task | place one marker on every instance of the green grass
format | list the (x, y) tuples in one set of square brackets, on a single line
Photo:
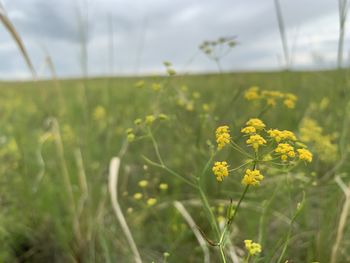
[(35, 216)]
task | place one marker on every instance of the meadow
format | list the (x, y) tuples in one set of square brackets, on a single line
[(58, 201)]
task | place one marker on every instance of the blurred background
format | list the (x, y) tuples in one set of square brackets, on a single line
[(134, 37)]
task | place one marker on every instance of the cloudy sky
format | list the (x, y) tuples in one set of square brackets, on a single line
[(135, 36)]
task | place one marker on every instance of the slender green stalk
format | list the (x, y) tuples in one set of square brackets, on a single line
[(282, 32)]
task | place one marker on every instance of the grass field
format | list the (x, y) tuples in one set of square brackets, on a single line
[(58, 138)]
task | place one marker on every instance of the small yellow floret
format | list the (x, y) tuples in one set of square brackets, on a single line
[(248, 129), (256, 123), (137, 196), (143, 183), (290, 104), (285, 150), (150, 119), (220, 170), (253, 248), (163, 187), (305, 155), (222, 136), (151, 201), (281, 135), (252, 177), (255, 141), (252, 93)]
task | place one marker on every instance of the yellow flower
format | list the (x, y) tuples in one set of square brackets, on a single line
[(99, 113), (255, 141), (252, 93), (281, 135), (131, 137), (271, 102), (205, 107), (291, 96), (163, 186), (290, 104), (248, 130), (253, 248), (222, 136), (305, 155), (286, 150), (137, 196), (151, 201), (252, 177), (138, 121), (143, 183), (256, 123), (156, 86), (220, 170), (150, 119)]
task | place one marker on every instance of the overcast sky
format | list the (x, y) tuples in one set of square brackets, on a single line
[(147, 32)]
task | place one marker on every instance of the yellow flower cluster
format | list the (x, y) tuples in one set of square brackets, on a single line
[(253, 248), (312, 132), (256, 123), (220, 170), (253, 126), (271, 96), (255, 141), (305, 155), (252, 177), (252, 93), (290, 100), (222, 136), (285, 150), (282, 135), (99, 113)]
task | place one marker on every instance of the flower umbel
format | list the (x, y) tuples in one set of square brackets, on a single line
[(255, 141), (286, 150), (305, 155), (252, 248), (256, 123), (222, 136), (220, 170), (252, 177)]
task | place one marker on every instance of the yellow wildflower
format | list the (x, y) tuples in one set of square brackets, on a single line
[(99, 113), (151, 201), (271, 102), (252, 93), (281, 135), (252, 177), (205, 107), (222, 136), (143, 183), (150, 119), (255, 141), (256, 123), (305, 155), (138, 121), (131, 137), (137, 196), (291, 96), (156, 86), (248, 130), (290, 104), (286, 150), (163, 186), (220, 170), (253, 248)]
